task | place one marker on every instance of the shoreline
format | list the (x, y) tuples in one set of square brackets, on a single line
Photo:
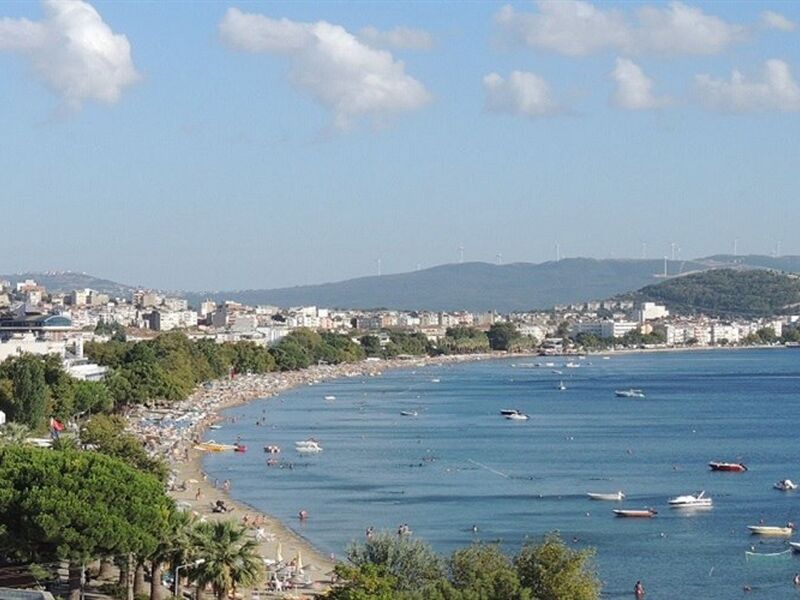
[(172, 434), (184, 424)]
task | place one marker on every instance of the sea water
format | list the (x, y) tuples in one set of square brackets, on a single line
[(459, 464)]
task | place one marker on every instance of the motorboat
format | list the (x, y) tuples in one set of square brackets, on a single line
[(785, 485), (698, 500), (215, 427), (308, 448), (613, 497), (729, 467), (645, 513), (330, 397), (308, 442), (509, 411), (517, 416), (561, 387), (771, 530), (557, 372), (409, 413), (572, 365), (631, 393), (795, 546), (436, 380)]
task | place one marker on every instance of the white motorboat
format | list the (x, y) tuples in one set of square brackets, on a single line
[(770, 530), (631, 393), (306, 443), (561, 387), (436, 380), (613, 497), (517, 416), (785, 485), (309, 448), (409, 413), (698, 500), (509, 411), (572, 365), (795, 546), (331, 397)]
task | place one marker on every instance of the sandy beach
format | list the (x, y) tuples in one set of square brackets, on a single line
[(173, 433)]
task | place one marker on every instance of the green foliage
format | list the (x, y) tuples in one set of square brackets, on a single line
[(592, 342), (502, 336), (249, 357), (106, 433), (76, 506), (552, 571), (486, 573), (371, 346), (29, 393), (727, 292), (411, 562), (387, 567), (415, 344), (464, 340), (303, 348), (231, 558), (637, 338)]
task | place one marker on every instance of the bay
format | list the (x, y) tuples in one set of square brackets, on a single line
[(459, 464)]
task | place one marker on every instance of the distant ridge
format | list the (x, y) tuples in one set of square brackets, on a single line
[(474, 286)]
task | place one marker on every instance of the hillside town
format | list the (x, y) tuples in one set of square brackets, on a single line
[(34, 320)]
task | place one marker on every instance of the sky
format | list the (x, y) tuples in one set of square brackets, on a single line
[(226, 145)]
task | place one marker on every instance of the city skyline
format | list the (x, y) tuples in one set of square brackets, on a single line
[(273, 144)]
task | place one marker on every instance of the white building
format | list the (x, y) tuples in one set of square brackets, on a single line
[(650, 311)]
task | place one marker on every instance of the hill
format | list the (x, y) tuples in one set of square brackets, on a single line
[(66, 281), (727, 292), (472, 286)]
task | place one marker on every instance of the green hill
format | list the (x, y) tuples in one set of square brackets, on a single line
[(727, 292)]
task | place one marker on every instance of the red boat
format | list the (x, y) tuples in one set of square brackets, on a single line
[(731, 467), (646, 513)]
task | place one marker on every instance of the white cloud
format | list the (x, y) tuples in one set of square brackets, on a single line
[(329, 63), (634, 88), (523, 93), (579, 28), (400, 38), (73, 51), (775, 91), (773, 20)]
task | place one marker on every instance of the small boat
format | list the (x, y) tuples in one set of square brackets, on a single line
[(517, 416), (557, 372), (561, 387), (330, 397), (572, 365), (795, 546), (785, 485), (646, 513), (631, 393), (215, 427), (409, 413), (770, 530), (308, 442), (749, 554), (509, 411), (729, 467), (436, 380), (309, 448), (212, 446), (239, 448), (698, 500), (614, 497)]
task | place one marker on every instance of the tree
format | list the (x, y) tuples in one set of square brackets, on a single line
[(106, 433), (230, 557), (485, 571), (552, 571), (366, 582), (371, 345), (173, 549), (502, 336), (28, 389), (56, 506), (410, 561)]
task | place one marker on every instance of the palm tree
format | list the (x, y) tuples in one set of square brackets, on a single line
[(230, 557), (173, 550)]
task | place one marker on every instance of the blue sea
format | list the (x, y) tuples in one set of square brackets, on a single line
[(459, 463)]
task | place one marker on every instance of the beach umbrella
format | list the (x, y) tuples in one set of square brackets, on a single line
[(279, 553)]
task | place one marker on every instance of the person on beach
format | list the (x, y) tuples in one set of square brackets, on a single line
[(226, 485), (302, 515), (796, 580), (198, 494), (638, 590)]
